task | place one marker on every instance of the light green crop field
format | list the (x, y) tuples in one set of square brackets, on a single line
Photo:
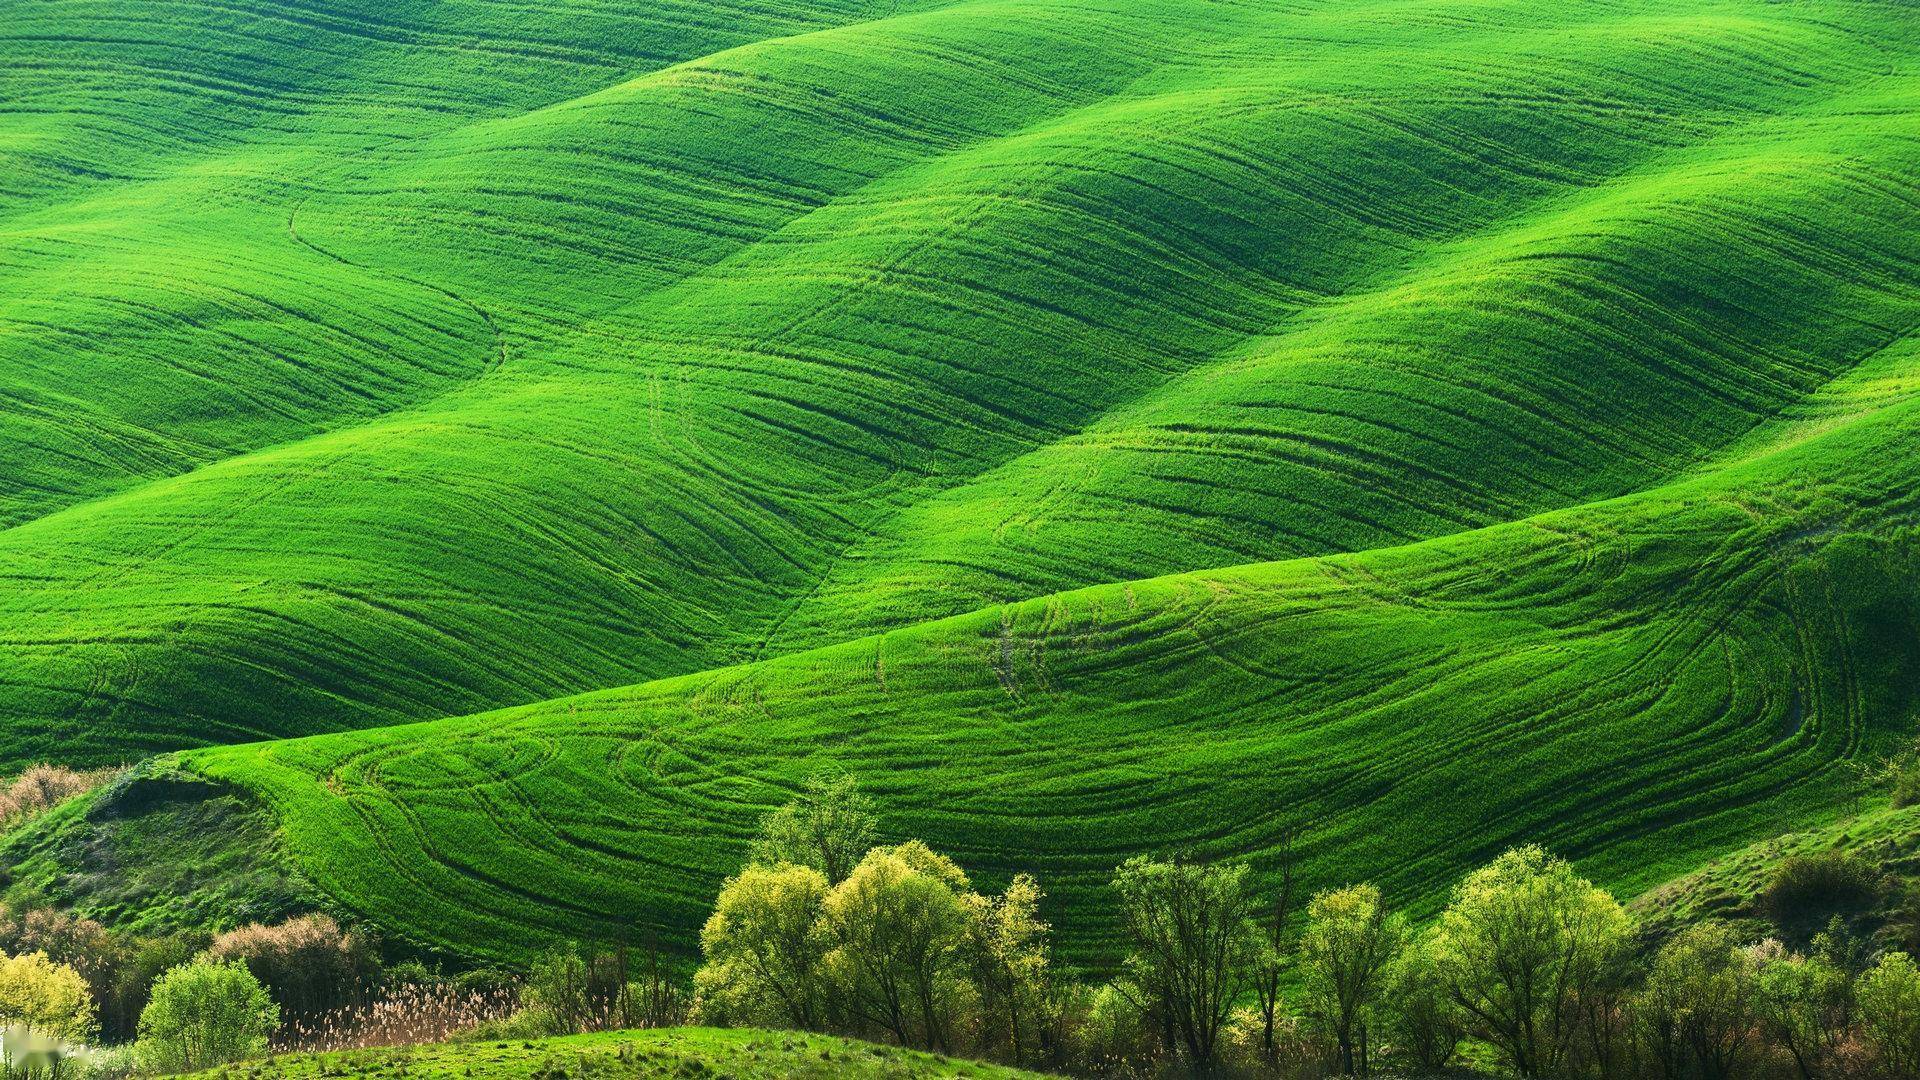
[(633, 1055), (1101, 425)]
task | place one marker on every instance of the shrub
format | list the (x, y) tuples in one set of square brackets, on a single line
[(309, 964), (1422, 1021), (1900, 774), (142, 962), (1117, 1036), (1807, 887), (1805, 1004), (584, 988), (42, 787), (1350, 942), (1906, 784), (830, 827), (203, 1014), (1012, 965), (81, 944), (1194, 942), (532, 1022), (410, 973)]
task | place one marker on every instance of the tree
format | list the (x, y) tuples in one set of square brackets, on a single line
[(1007, 945), (1269, 969), (48, 998), (1701, 1001), (765, 948), (829, 827), (1349, 942), (1193, 943), (1523, 942), (1889, 995), (583, 987), (1424, 1019), (203, 1014), (899, 926), (1804, 1005)]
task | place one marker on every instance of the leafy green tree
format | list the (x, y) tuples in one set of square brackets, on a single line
[(829, 827), (1804, 1004), (1012, 964), (583, 988), (765, 948), (1425, 1021), (1348, 945), (1889, 995), (1270, 960), (204, 1014), (1194, 944), (1701, 1003), (48, 998), (899, 926), (1523, 942)]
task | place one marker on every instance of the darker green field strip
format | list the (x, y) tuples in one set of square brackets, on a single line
[(1640, 683)]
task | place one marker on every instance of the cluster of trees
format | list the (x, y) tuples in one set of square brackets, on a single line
[(580, 988), (1529, 961), (1536, 968), (825, 931), (202, 1013), (182, 1001), (1529, 968)]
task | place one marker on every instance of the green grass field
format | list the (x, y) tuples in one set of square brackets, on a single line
[(744, 1054), (1102, 425)]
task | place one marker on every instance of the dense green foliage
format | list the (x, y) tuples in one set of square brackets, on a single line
[(45, 997), (1104, 426), (205, 1013)]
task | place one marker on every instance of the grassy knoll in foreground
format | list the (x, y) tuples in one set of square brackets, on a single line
[(744, 1054)]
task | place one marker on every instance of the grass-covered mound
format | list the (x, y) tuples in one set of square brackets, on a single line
[(744, 1054), (157, 851)]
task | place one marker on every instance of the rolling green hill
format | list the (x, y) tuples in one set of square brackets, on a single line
[(1102, 424), (1640, 684)]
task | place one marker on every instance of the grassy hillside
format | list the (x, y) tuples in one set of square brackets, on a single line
[(1101, 424), (1640, 684), (519, 362), (672, 1052)]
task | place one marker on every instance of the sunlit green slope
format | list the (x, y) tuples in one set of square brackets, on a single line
[(157, 313), (425, 359), (1639, 683)]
